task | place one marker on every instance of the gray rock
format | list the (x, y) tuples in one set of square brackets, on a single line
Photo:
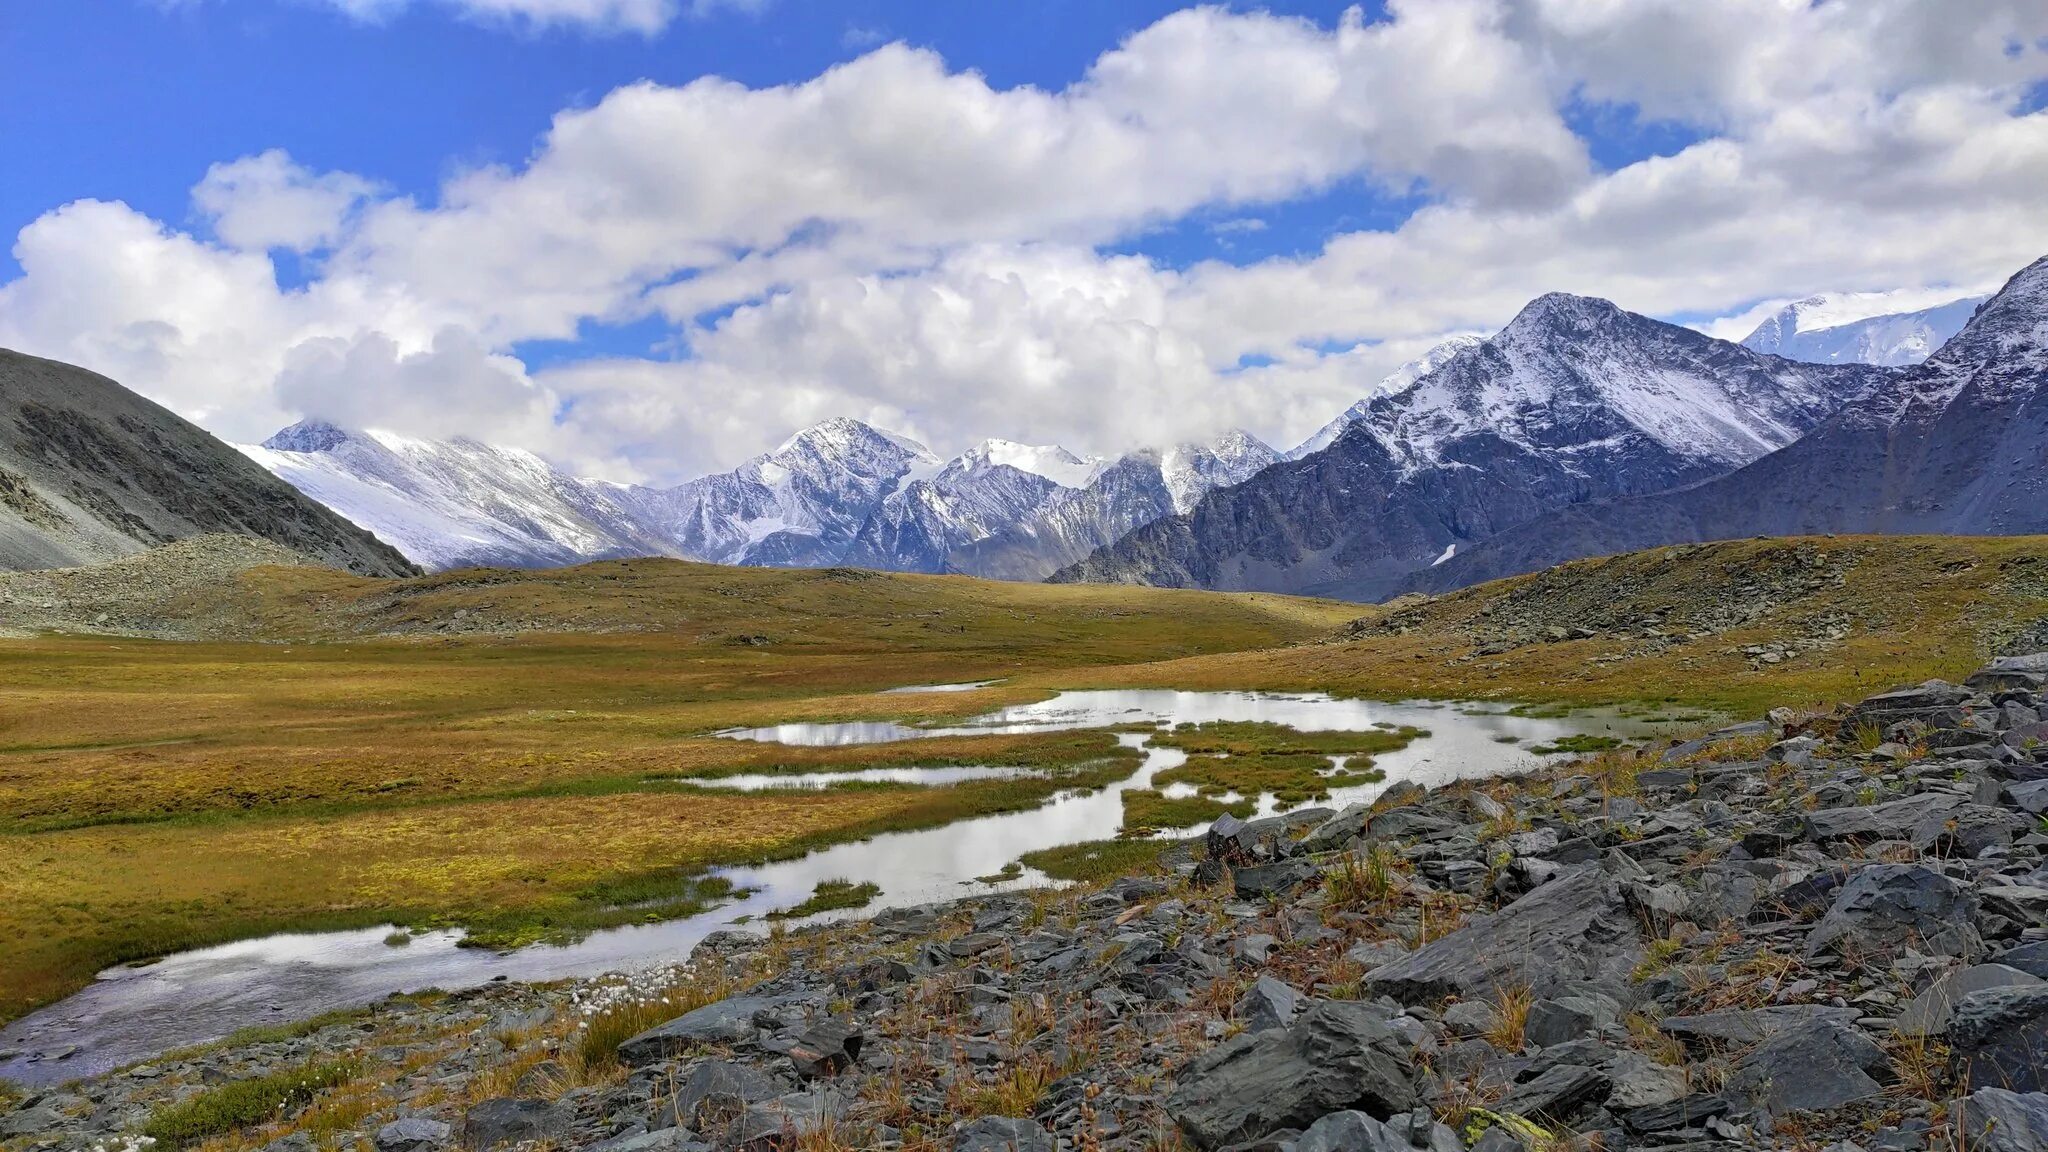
[(1339, 830), (1928, 1014), (1573, 929), (1738, 1028), (718, 1092), (412, 1134), (1999, 1038), (1885, 909), (826, 1049), (1003, 1134), (1268, 1003), (1553, 1022), (1471, 1017), (1270, 880), (2030, 796), (728, 1021), (1685, 1112), (1558, 1093), (1997, 1120), (1815, 1066), (660, 1140), (1337, 1055), (1893, 820), (2029, 958), (1966, 831), (509, 1121), (1350, 1131)]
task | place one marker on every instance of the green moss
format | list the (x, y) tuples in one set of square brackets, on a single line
[(1291, 778), (1247, 738), (233, 1106), (831, 896), (640, 898)]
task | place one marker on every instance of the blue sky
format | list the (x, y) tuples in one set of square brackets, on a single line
[(1103, 224)]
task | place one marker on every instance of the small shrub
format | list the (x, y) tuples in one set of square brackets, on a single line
[(831, 896), (1511, 1023)]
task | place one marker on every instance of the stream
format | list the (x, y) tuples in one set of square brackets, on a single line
[(134, 1013)]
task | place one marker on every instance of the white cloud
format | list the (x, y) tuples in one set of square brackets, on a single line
[(642, 16), (268, 201), (899, 240)]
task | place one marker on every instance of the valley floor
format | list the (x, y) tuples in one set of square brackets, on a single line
[(500, 750)]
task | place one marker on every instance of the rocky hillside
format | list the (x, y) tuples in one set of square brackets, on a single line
[(1958, 444), (1801, 932), (1575, 401), (90, 471)]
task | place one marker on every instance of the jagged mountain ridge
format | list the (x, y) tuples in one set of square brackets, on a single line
[(90, 471), (1395, 382), (1574, 401), (840, 492), (457, 503), (1842, 329), (1956, 445)]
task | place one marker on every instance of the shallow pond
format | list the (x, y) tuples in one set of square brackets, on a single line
[(132, 1014)]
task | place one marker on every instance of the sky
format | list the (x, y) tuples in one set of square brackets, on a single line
[(650, 238)]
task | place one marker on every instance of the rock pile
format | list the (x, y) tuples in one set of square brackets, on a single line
[(1840, 943)]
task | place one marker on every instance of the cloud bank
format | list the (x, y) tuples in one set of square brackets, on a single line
[(898, 240)]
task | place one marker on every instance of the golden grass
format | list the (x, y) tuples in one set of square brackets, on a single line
[(1917, 607)]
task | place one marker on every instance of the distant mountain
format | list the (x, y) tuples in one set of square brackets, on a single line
[(457, 503), (1958, 444), (90, 471), (1574, 401), (840, 492), (800, 506), (1396, 382), (1859, 328)]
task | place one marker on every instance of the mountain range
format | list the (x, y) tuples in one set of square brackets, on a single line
[(839, 492), (1957, 445), (1860, 328)]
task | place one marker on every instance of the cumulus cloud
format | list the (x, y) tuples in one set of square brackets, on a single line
[(899, 240)]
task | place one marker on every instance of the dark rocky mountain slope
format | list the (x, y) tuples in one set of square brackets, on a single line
[(1575, 401), (1957, 445), (90, 471)]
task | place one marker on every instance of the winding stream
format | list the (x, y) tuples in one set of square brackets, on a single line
[(132, 1014)]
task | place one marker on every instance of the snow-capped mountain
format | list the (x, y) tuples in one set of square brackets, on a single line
[(1397, 381), (1860, 328), (454, 503), (799, 506), (1958, 444), (1575, 400), (840, 492)]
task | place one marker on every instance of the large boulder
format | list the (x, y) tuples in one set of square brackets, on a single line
[(1998, 1038), (506, 1120), (1885, 909), (1814, 1066), (728, 1021), (1931, 699), (1892, 820), (1350, 1131), (1337, 1055), (1573, 930), (1996, 1120), (1929, 1013)]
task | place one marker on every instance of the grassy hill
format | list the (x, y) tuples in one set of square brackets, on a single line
[(1737, 625)]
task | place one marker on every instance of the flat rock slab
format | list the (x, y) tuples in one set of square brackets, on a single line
[(1997, 1120), (1816, 1066), (1004, 1134), (494, 1123), (1573, 929), (728, 1021), (1928, 1014), (1742, 1028)]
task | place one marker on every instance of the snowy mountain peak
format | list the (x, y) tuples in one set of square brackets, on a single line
[(1049, 461), (308, 436), (1561, 312), (1883, 328), (846, 439), (1192, 471), (1399, 380)]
